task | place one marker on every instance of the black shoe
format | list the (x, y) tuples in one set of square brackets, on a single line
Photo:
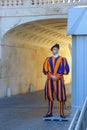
[(48, 115), (62, 116)]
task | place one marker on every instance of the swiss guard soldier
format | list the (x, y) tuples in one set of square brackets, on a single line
[(55, 67)]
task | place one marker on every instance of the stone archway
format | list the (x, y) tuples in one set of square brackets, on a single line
[(24, 49)]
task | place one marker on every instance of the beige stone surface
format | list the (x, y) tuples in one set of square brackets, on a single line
[(24, 50)]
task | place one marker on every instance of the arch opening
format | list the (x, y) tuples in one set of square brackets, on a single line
[(25, 48)]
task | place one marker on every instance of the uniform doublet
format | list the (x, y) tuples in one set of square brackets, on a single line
[(55, 88)]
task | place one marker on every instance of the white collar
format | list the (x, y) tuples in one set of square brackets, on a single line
[(56, 55)]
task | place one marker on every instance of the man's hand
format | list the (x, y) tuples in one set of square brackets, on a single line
[(54, 77)]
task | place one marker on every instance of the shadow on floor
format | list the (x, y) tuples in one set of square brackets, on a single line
[(25, 112)]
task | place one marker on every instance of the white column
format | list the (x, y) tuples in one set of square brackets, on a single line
[(77, 19), (0, 37), (35, 2), (0, 52), (40, 2), (45, 2), (79, 70)]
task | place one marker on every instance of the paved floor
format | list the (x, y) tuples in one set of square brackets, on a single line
[(25, 112)]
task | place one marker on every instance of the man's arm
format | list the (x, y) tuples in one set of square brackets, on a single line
[(64, 68), (45, 67)]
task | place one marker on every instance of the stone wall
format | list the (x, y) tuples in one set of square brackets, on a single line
[(20, 67)]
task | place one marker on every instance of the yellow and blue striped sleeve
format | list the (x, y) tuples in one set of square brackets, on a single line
[(45, 67)]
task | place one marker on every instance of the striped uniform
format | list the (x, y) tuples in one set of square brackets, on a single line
[(55, 88)]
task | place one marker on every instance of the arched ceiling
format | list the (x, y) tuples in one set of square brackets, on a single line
[(39, 33)]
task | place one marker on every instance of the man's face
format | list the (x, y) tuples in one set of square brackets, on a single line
[(55, 50)]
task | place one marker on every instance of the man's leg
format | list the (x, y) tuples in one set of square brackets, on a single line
[(61, 107), (50, 108)]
